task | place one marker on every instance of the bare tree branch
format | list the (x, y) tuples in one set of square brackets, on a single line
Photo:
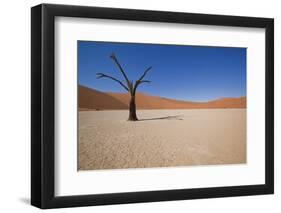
[(144, 81), (130, 85), (138, 83), (140, 80), (145, 72), (102, 75)]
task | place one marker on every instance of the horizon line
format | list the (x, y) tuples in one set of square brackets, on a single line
[(210, 100)]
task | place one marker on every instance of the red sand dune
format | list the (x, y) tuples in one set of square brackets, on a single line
[(90, 99), (93, 99)]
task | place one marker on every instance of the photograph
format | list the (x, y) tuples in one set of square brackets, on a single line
[(135, 105), (140, 105), (160, 105)]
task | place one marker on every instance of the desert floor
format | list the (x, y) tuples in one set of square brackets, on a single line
[(161, 138)]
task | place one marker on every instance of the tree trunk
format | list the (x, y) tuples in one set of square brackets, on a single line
[(132, 110)]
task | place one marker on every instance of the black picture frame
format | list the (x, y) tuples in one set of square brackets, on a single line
[(43, 114)]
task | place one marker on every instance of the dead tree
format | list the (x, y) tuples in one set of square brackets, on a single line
[(129, 86)]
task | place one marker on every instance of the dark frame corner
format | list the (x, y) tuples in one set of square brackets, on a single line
[(42, 105)]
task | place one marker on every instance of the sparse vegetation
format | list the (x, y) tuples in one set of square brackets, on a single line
[(129, 86)]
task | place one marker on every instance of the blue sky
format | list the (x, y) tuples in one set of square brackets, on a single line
[(195, 73)]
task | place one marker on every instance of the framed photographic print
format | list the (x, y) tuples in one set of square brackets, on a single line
[(139, 106)]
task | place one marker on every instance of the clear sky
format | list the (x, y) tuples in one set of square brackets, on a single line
[(195, 73)]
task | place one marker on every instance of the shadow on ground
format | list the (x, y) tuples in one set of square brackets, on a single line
[(25, 200), (171, 117)]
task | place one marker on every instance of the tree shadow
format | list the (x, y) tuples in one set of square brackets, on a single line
[(170, 117)]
